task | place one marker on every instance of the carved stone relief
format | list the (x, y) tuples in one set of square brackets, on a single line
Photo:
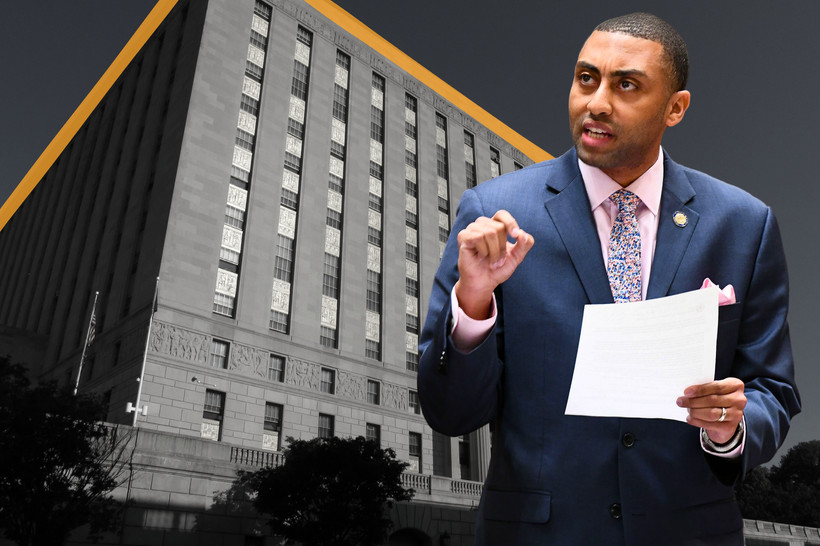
[(179, 343), (351, 385), (394, 396), (248, 360), (304, 374)]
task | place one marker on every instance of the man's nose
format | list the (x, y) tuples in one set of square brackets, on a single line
[(600, 103)]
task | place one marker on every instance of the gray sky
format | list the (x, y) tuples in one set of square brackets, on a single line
[(753, 119)]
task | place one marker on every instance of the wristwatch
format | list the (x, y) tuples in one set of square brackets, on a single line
[(725, 447)]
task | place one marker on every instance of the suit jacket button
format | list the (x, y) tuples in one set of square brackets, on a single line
[(628, 439), (615, 511)]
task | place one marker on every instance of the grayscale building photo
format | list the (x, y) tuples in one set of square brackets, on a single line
[(287, 193)]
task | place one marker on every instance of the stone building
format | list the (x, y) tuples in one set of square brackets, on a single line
[(285, 181)]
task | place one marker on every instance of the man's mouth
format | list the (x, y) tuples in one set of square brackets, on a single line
[(597, 134)]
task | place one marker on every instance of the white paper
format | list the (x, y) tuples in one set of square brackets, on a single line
[(635, 359)]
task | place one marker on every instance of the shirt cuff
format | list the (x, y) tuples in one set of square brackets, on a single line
[(732, 450), (468, 333)]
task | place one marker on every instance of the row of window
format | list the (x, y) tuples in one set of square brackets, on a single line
[(374, 220), (411, 245), (213, 413), (328, 334), (291, 178), (230, 252)]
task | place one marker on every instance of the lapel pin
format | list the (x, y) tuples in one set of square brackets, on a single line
[(680, 219)]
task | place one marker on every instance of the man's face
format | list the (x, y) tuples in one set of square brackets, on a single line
[(620, 104)]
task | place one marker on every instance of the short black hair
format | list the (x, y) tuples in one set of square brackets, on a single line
[(651, 27)]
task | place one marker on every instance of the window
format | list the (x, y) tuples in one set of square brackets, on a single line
[(411, 252), (374, 236), (374, 291), (304, 36), (469, 159), (244, 140), (249, 105), (415, 452), (327, 337), (271, 436), (296, 129), (374, 201), (413, 401), (219, 354), (276, 368), (234, 217), (373, 392), (330, 279), (289, 199), (373, 433), (464, 456), (411, 287), (328, 384), (412, 322), (339, 102), (299, 87), (495, 163), (372, 349), (337, 150), (258, 40), (325, 426), (283, 264), (411, 361), (376, 124), (336, 184), (212, 413), (279, 321), (411, 188), (263, 10)]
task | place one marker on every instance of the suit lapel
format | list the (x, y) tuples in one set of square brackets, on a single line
[(672, 240), (568, 206)]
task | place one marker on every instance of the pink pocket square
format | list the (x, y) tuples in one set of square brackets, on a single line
[(727, 293)]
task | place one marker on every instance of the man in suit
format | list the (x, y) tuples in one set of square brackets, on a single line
[(501, 335)]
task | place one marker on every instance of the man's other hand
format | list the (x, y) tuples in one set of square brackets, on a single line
[(486, 259)]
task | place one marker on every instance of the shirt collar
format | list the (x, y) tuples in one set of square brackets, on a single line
[(648, 187)]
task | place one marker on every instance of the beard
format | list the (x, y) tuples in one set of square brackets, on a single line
[(630, 149)]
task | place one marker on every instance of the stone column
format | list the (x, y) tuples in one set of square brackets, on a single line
[(480, 453)]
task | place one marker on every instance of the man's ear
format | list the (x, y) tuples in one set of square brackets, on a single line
[(676, 107)]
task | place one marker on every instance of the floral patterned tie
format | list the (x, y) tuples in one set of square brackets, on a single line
[(624, 265)]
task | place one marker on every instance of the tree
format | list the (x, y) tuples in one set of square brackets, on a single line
[(788, 492), (328, 492), (58, 461)]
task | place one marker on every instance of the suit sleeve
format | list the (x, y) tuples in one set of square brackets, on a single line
[(458, 391), (763, 358)]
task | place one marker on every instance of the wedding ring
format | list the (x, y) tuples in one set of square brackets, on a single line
[(722, 415)]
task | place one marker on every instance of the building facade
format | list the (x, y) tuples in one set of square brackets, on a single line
[(287, 192)]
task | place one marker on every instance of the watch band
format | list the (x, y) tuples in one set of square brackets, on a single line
[(726, 447)]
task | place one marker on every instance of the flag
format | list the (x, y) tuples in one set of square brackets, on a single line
[(92, 330)]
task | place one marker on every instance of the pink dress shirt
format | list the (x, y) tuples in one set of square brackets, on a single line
[(467, 333)]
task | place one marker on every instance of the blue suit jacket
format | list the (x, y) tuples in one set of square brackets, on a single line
[(559, 479)]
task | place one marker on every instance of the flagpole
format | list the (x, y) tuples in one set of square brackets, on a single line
[(137, 409), (88, 342)]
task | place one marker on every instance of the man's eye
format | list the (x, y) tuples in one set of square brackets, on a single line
[(627, 85), (584, 78)]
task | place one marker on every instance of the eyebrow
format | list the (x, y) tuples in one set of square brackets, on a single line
[(619, 73)]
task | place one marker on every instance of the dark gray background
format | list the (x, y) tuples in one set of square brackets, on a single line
[(754, 119)]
